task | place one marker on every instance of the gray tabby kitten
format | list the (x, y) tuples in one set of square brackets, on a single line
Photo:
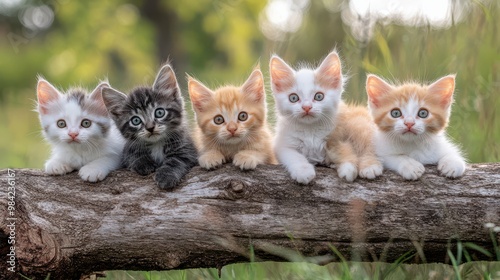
[(152, 121)]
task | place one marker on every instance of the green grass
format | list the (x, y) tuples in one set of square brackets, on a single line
[(333, 271)]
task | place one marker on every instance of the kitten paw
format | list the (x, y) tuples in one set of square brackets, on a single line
[(166, 179), (211, 160), (245, 161), (371, 172), (303, 173), (92, 174), (411, 169), (144, 169), (451, 167), (53, 167), (347, 171)]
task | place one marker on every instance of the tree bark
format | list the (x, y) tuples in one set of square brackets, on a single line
[(67, 227)]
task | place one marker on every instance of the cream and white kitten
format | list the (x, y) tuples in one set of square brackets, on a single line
[(307, 101), (80, 132), (411, 120)]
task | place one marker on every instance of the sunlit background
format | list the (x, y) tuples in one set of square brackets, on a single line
[(219, 42)]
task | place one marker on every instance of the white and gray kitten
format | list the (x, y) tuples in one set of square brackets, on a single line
[(81, 134)]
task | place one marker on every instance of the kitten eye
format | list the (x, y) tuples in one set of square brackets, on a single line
[(423, 113), (243, 116), (86, 123), (396, 113), (219, 119), (160, 113), (135, 121), (293, 97), (61, 123), (319, 96)]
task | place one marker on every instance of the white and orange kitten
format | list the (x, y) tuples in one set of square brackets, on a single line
[(307, 102), (411, 120), (232, 124), (81, 134)]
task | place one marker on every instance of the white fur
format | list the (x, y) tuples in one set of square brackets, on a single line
[(94, 156), (300, 141), (157, 152), (347, 171)]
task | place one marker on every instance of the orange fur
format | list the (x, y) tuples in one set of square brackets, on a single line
[(352, 140), (251, 143)]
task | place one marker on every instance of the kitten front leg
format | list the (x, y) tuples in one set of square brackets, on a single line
[(98, 169), (211, 159), (296, 164), (174, 169), (370, 166), (345, 159), (249, 159), (57, 166), (452, 166), (139, 160), (405, 166)]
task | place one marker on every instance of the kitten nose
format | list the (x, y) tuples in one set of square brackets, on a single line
[(306, 108), (232, 127), (73, 135), (409, 124), (150, 129)]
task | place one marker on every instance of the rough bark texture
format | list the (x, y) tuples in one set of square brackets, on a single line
[(67, 227)]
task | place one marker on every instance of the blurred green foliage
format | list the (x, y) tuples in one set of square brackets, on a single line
[(331, 271), (220, 42)]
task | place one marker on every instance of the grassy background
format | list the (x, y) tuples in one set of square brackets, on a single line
[(340, 271), (470, 48)]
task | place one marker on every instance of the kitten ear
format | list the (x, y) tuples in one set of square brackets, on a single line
[(166, 80), (199, 94), (254, 86), (444, 87), (329, 73), (45, 93), (375, 88), (96, 95), (282, 75), (113, 100), (97, 92)]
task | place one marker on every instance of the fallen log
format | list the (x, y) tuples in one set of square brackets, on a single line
[(68, 228)]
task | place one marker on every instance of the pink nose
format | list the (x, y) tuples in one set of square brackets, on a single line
[(232, 130), (409, 124), (73, 135), (306, 108)]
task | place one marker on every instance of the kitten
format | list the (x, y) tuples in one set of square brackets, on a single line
[(351, 145), (232, 124), (80, 132), (307, 102), (411, 120), (152, 119)]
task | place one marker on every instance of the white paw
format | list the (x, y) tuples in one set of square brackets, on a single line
[(92, 174), (245, 162), (347, 171), (371, 172), (303, 173), (209, 161), (53, 167), (411, 169), (451, 167)]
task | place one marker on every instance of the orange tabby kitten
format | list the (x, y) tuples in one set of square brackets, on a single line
[(232, 124), (351, 145)]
